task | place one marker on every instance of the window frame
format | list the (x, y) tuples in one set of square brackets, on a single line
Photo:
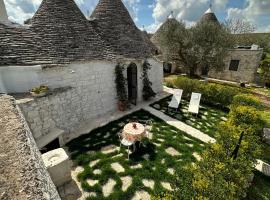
[(233, 66)]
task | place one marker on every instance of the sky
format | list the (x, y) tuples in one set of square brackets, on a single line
[(152, 13)]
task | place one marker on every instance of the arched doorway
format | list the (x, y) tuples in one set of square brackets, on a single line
[(132, 83)]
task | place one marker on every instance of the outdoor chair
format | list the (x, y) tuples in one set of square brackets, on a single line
[(125, 143), (194, 104), (176, 99)]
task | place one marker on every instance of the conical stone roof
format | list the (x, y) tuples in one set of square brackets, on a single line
[(209, 16), (3, 12), (157, 36), (66, 32), (59, 33), (116, 26)]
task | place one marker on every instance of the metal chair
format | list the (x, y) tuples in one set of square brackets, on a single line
[(125, 143)]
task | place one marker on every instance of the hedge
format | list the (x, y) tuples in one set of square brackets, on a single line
[(213, 94), (246, 100)]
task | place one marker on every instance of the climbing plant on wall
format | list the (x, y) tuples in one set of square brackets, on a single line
[(147, 84), (120, 83)]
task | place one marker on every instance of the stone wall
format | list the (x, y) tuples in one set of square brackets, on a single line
[(88, 92), (23, 173), (247, 70)]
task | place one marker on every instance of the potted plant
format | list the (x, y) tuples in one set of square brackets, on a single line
[(40, 91), (121, 90)]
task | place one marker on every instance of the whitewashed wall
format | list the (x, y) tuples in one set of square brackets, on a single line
[(18, 79), (92, 95)]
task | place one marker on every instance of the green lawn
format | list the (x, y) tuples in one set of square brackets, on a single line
[(207, 120), (260, 188), (150, 163)]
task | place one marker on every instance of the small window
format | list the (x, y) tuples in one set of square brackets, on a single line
[(234, 65), (167, 67)]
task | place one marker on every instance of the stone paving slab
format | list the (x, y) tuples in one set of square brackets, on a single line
[(181, 126)]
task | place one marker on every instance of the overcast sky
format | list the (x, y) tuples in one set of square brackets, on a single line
[(151, 13)]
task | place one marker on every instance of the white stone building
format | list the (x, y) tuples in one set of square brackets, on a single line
[(76, 58)]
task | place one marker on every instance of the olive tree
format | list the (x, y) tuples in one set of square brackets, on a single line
[(203, 46)]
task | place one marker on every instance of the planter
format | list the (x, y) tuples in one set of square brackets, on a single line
[(121, 106), (42, 94)]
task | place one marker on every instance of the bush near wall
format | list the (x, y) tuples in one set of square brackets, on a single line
[(213, 94), (246, 100), (224, 171)]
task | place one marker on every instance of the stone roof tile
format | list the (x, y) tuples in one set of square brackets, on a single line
[(116, 26), (59, 33)]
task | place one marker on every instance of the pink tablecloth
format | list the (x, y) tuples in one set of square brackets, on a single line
[(134, 133)]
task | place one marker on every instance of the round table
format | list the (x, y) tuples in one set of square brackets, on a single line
[(134, 132)]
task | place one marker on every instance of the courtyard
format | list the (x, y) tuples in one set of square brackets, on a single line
[(104, 172)]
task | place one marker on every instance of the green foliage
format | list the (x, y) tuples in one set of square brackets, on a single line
[(204, 45), (120, 83), (246, 100), (246, 117), (217, 176), (147, 84), (226, 166), (212, 93), (40, 89), (264, 69), (163, 196), (218, 94)]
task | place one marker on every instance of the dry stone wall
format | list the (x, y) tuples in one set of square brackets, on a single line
[(23, 173)]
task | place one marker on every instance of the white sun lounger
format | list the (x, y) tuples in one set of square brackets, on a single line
[(194, 104), (177, 96)]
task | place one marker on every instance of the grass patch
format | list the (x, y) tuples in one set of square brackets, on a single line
[(88, 148), (207, 121)]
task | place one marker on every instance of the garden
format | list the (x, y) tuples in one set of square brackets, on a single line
[(150, 170), (170, 164)]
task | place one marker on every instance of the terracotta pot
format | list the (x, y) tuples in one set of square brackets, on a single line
[(121, 106)]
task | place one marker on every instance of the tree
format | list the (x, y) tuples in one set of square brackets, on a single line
[(239, 26), (203, 46)]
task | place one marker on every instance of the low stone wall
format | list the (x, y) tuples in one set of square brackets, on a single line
[(22, 172)]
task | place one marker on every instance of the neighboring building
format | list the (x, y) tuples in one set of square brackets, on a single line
[(60, 48), (241, 64)]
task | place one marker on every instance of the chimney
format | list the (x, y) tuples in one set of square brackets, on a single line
[(3, 12)]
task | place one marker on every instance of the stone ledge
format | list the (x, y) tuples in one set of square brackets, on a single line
[(44, 140)]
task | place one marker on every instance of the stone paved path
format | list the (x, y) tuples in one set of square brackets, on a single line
[(261, 166), (181, 126)]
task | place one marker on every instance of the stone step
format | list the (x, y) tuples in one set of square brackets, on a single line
[(46, 139)]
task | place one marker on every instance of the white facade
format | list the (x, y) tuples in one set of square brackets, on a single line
[(91, 94)]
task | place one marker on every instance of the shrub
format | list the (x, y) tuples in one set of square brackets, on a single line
[(187, 85), (246, 100), (213, 94), (218, 94), (246, 117), (40, 89)]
